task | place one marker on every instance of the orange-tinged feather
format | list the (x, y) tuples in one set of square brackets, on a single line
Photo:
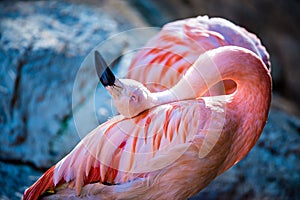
[(44, 183)]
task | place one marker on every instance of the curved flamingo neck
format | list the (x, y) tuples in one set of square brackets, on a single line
[(229, 62), (247, 112)]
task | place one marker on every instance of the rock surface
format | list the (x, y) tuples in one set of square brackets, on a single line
[(42, 47)]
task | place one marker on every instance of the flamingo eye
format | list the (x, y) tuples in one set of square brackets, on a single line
[(133, 98)]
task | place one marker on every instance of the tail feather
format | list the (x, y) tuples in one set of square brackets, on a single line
[(44, 183)]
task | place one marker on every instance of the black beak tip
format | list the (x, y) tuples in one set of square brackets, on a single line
[(106, 76)]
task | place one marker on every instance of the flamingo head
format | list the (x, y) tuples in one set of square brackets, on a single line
[(130, 97)]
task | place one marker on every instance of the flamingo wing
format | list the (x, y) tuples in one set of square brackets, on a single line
[(168, 55), (123, 150)]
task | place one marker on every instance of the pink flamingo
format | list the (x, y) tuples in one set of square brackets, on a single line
[(180, 146)]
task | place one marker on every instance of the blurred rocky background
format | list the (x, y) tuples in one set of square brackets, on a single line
[(42, 46)]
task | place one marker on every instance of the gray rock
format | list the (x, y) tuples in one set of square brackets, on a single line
[(42, 47), (15, 178)]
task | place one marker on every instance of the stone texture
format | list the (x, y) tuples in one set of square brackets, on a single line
[(15, 178), (42, 47)]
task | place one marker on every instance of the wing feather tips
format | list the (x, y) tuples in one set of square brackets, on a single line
[(44, 183)]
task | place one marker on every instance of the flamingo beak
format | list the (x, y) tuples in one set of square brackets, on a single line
[(106, 76), (116, 89)]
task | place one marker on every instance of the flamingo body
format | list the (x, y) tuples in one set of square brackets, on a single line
[(169, 54), (180, 146)]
